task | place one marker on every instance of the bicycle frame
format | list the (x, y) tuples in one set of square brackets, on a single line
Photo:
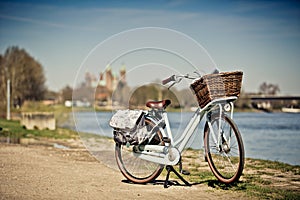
[(171, 154)]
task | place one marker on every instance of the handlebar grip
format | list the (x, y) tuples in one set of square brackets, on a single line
[(171, 78)]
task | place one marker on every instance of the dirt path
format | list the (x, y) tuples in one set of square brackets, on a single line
[(40, 172)]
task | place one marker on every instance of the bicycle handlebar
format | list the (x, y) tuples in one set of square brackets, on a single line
[(176, 79), (171, 78)]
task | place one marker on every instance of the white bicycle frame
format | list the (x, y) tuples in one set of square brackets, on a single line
[(171, 154)]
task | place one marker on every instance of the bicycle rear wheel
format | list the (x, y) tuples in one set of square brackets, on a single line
[(225, 151), (135, 169)]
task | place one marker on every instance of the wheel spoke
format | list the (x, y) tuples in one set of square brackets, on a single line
[(228, 158)]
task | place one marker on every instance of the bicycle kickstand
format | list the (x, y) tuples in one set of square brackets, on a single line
[(170, 169)]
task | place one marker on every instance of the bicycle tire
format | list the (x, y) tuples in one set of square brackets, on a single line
[(135, 169), (226, 161)]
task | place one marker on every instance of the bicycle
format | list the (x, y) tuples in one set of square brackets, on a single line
[(223, 145)]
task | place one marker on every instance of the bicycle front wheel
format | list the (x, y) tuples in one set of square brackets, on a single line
[(134, 168), (224, 148)]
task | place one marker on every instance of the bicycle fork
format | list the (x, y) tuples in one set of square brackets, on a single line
[(221, 142)]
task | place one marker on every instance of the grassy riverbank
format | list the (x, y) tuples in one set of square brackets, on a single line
[(262, 179), (13, 129)]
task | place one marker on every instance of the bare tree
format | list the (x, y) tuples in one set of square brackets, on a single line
[(25, 73), (269, 89), (66, 93)]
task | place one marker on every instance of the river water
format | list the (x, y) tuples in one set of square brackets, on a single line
[(271, 136)]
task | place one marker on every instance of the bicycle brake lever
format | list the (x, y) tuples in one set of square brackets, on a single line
[(197, 73)]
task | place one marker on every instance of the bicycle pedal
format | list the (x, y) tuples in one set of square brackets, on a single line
[(185, 172)]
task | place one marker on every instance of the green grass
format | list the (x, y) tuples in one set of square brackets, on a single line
[(62, 115), (259, 164), (257, 180), (32, 106), (13, 129)]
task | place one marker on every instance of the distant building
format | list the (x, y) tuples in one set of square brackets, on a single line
[(102, 93), (123, 74), (108, 82), (109, 79), (90, 80)]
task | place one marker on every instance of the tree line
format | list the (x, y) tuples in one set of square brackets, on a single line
[(26, 75)]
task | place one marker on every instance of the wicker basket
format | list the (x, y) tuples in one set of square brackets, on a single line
[(214, 86)]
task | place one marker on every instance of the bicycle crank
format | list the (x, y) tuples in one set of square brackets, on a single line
[(171, 156)]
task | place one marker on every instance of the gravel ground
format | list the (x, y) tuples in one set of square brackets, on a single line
[(45, 172)]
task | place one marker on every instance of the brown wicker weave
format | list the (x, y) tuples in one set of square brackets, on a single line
[(214, 86)]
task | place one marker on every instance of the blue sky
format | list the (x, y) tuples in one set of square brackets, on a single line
[(262, 38)]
